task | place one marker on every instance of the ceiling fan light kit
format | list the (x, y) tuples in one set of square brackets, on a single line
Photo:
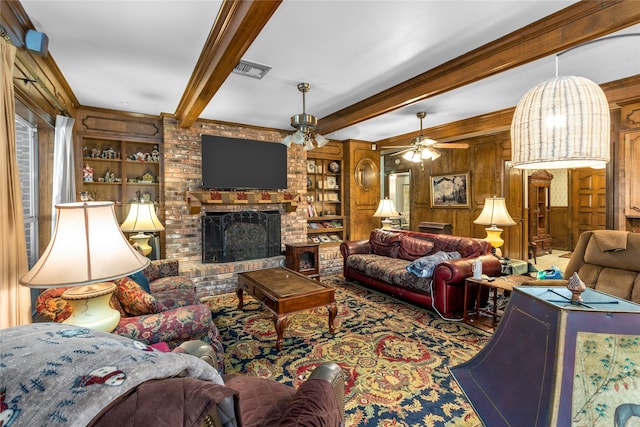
[(306, 125), (423, 148)]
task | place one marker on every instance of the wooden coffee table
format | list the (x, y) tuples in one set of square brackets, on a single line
[(282, 292)]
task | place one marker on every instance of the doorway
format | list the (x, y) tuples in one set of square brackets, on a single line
[(400, 193), (587, 201)]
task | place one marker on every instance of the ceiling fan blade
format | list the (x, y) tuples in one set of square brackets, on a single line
[(446, 145), (402, 151), (393, 147)]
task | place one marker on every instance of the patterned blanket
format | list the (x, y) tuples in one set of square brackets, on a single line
[(63, 375)]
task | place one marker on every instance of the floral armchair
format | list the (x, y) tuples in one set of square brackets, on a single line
[(168, 312)]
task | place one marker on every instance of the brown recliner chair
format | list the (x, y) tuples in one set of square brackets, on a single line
[(259, 402), (607, 261), (264, 402)]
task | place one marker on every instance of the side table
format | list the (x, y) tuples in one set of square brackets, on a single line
[(505, 283), (303, 258)]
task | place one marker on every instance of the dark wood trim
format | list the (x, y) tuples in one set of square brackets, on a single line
[(237, 25), (54, 93), (578, 23)]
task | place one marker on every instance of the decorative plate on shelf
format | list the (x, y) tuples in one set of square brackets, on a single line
[(334, 167)]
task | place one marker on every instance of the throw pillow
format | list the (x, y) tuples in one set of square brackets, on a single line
[(385, 243), (141, 280), (423, 267), (134, 299)]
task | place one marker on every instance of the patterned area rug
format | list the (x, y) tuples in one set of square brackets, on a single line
[(394, 355)]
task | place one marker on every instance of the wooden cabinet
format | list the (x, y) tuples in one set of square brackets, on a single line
[(325, 197), (303, 258), (121, 171), (539, 210)]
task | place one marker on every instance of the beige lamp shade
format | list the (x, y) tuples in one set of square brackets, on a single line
[(561, 123), (87, 247), (142, 217), (385, 210), (494, 213)]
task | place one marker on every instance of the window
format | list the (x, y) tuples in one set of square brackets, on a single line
[(27, 154)]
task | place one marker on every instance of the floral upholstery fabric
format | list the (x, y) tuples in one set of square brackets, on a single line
[(170, 283), (134, 299), (166, 300), (179, 314), (160, 268), (390, 270), (52, 307)]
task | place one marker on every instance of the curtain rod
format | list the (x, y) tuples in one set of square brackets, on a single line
[(35, 79)]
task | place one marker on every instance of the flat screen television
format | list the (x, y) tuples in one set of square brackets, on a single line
[(243, 164)]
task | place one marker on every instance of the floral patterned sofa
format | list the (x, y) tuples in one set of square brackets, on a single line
[(170, 313)]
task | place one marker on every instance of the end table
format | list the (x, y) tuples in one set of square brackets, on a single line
[(505, 283), (303, 258)]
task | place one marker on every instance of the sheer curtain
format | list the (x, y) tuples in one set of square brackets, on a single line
[(64, 183), (15, 300)]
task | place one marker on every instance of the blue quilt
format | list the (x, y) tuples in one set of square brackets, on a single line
[(423, 267), (64, 375)]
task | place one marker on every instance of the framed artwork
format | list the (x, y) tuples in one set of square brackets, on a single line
[(450, 191)]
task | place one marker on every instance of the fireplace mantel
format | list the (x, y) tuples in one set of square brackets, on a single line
[(213, 197)]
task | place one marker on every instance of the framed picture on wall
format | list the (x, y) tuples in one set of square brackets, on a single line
[(450, 191)]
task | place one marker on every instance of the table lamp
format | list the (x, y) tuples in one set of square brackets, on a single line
[(142, 217), (87, 251), (385, 210), (494, 213)]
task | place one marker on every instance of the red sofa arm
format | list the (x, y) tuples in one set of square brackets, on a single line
[(351, 247), (457, 270), (448, 281)]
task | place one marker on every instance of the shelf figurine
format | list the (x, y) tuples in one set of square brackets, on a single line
[(87, 174)]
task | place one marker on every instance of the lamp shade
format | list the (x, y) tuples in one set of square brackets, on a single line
[(561, 123), (142, 217), (87, 247), (494, 212), (386, 209)]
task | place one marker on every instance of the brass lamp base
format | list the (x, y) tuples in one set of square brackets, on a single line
[(493, 237), (387, 224), (90, 306), (142, 240)]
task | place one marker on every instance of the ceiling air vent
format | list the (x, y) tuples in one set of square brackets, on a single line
[(251, 69)]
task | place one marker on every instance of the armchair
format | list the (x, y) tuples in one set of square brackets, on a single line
[(605, 260), (170, 313)]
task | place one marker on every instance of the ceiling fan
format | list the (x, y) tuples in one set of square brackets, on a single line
[(423, 148)]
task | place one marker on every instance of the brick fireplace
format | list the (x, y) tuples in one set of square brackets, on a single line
[(183, 235)]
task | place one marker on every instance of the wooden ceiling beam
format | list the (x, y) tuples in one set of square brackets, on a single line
[(618, 92), (237, 25), (576, 24)]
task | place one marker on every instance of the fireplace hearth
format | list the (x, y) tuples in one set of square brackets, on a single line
[(240, 236)]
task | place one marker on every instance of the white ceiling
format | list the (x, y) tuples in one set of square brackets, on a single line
[(139, 55)]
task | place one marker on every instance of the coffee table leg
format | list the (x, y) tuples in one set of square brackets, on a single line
[(333, 311), (240, 299), (281, 323)]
